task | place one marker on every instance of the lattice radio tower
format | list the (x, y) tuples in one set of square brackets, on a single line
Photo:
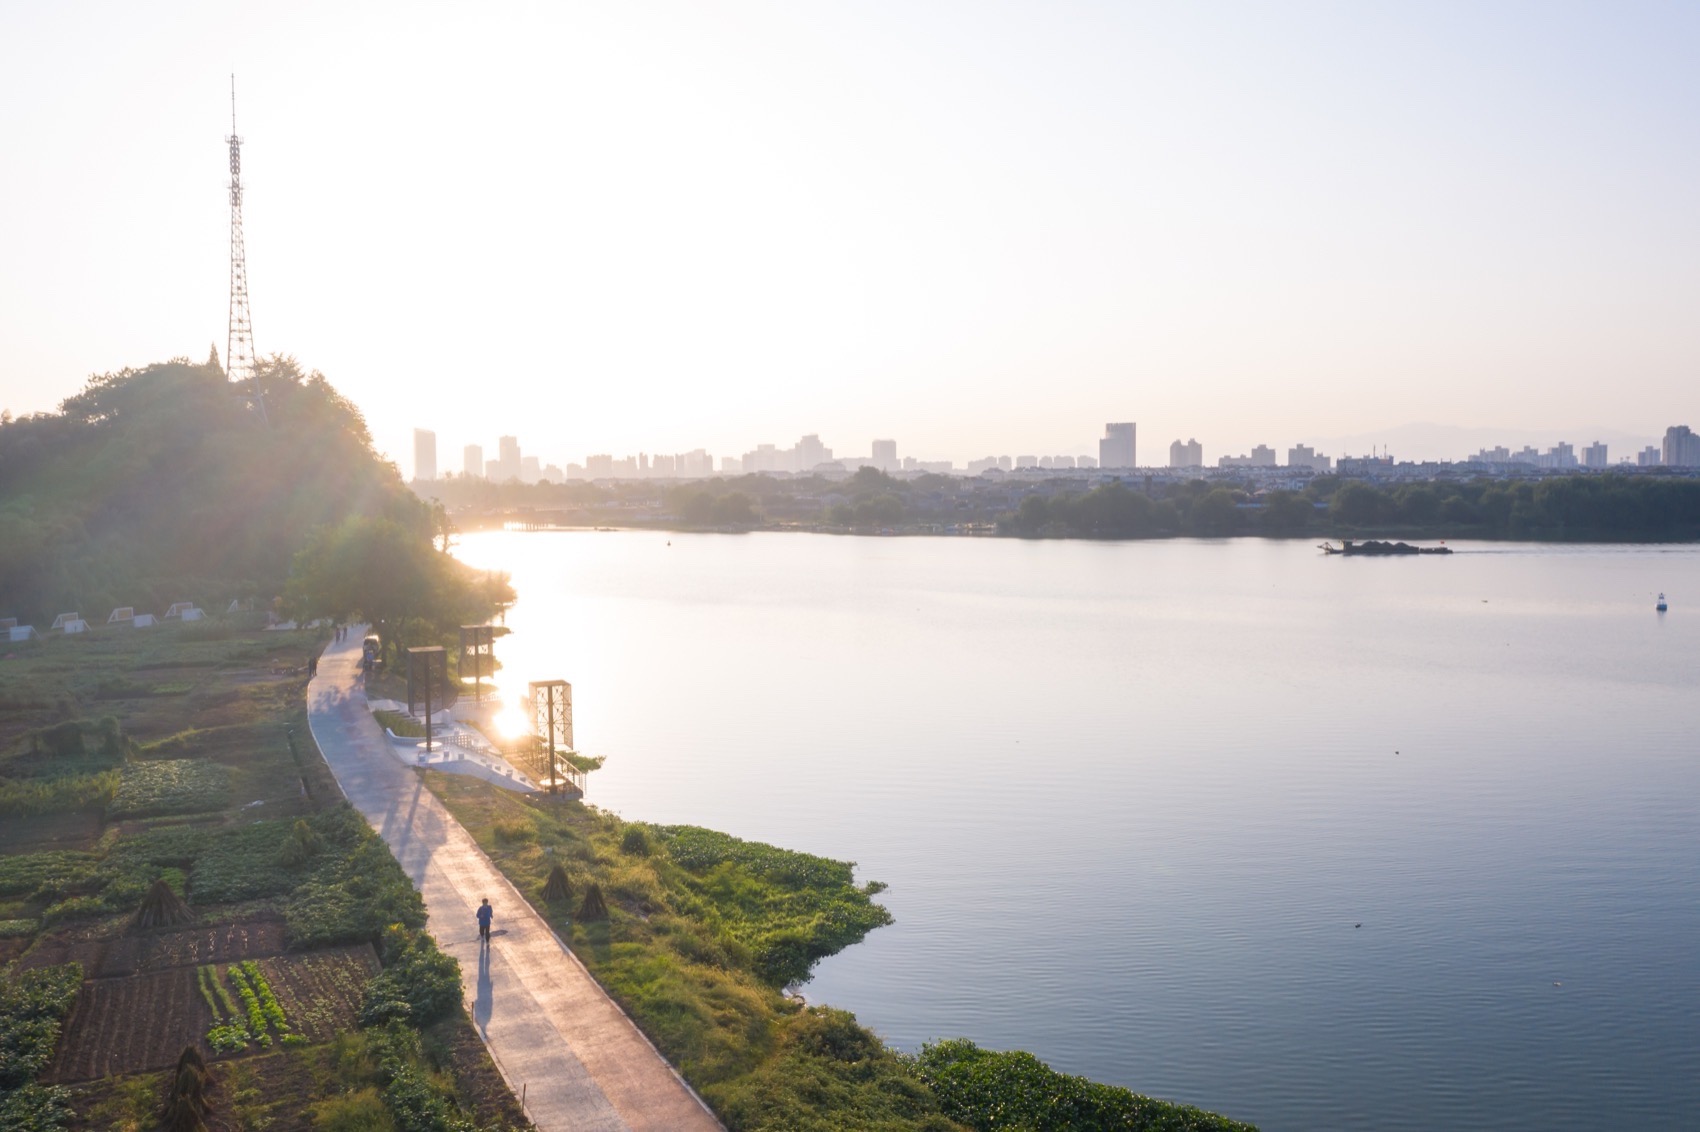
[(239, 347)]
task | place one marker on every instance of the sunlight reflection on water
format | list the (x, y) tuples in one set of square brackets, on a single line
[(1133, 798)]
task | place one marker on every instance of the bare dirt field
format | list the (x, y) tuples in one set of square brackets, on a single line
[(131, 1024), (35, 832)]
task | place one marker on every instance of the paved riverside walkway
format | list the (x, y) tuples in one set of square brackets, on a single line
[(551, 1029)]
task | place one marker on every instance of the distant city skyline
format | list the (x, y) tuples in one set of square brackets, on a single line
[(1258, 224), (1679, 446)]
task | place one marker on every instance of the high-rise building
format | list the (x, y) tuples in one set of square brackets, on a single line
[(1188, 455), (1304, 456), (1262, 456), (809, 452), (1117, 449), (1648, 457), (424, 454), (1682, 447), (885, 455), (472, 461), (1594, 455)]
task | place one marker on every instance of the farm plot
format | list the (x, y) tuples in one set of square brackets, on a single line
[(320, 990), (74, 945), (191, 947), (129, 1025), (170, 786)]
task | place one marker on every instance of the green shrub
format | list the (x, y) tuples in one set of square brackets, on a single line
[(514, 832), (418, 985), (413, 1102), (301, 846), (35, 1108), (400, 724), (362, 1110), (634, 842), (12, 929), (354, 892), (31, 1008)]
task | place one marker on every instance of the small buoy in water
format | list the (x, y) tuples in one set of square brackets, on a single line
[(1556, 983), (1661, 606), (1357, 925)]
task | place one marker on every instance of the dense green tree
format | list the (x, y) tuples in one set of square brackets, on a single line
[(161, 484), (1358, 504), (1217, 513), (382, 572), (1286, 513)]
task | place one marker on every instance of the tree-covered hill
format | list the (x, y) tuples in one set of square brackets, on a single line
[(164, 484)]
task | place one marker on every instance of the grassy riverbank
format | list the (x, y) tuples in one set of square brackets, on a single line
[(702, 934)]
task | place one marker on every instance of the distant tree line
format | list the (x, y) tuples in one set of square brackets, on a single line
[(1562, 507)]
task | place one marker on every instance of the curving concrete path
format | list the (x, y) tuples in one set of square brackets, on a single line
[(554, 1033)]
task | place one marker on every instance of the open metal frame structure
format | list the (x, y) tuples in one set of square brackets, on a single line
[(477, 657), (239, 365), (552, 731), (427, 673)]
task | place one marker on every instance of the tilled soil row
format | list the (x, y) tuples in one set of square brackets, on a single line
[(131, 1024), (138, 1023)]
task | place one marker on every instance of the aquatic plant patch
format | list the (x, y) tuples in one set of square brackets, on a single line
[(989, 1090)]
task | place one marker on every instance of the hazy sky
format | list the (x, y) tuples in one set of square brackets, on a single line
[(975, 227)]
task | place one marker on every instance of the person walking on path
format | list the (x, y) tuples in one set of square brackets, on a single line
[(485, 912)]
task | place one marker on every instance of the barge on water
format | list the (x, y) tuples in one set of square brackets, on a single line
[(1374, 547)]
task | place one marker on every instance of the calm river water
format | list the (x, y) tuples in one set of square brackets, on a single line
[(1134, 800)]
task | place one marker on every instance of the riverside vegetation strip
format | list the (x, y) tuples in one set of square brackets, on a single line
[(702, 935)]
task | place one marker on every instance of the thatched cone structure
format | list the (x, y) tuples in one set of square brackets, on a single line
[(161, 908), (186, 1105), (557, 889), (593, 908)]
